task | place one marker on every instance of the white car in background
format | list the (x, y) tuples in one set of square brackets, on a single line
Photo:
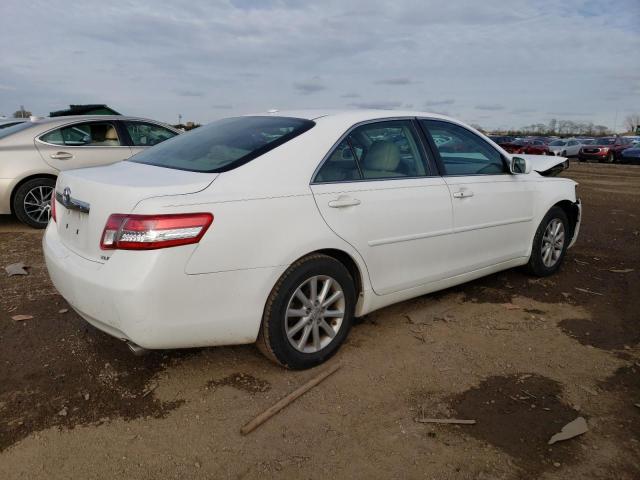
[(10, 122), (280, 228), (33, 152), (568, 147)]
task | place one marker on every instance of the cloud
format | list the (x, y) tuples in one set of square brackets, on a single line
[(523, 111), (222, 106), (377, 105), (307, 88), (438, 103), (489, 106), (254, 54), (190, 93), (396, 81)]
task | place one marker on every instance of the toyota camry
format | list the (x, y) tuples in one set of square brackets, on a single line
[(280, 228)]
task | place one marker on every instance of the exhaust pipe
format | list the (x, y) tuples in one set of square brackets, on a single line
[(137, 350)]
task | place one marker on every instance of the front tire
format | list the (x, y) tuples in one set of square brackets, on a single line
[(308, 313), (549, 243), (32, 202)]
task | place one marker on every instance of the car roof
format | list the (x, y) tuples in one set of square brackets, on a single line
[(74, 118), (355, 115), (13, 120)]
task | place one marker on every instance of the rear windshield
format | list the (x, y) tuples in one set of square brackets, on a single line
[(224, 144), (5, 132)]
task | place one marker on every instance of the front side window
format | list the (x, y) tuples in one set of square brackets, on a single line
[(224, 144), (380, 150), (96, 134), (463, 152), (147, 134)]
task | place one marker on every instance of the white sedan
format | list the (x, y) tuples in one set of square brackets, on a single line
[(34, 151), (281, 228), (569, 147)]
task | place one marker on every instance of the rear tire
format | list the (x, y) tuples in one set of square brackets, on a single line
[(549, 243), (32, 202), (299, 328)]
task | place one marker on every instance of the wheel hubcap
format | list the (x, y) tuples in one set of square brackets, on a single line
[(552, 243), (37, 203), (315, 313)]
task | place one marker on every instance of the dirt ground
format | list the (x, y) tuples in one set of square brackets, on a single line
[(519, 355)]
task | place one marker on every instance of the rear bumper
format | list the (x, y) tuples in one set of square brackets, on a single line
[(148, 299)]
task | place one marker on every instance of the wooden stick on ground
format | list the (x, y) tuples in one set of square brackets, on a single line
[(446, 420), (271, 411)]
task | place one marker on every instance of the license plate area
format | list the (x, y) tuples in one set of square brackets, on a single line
[(73, 227)]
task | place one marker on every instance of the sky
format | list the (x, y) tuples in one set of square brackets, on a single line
[(494, 63)]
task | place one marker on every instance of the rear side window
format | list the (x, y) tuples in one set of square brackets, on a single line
[(224, 144), (145, 134), (96, 134)]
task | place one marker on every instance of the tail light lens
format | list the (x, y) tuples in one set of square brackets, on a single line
[(149, 232)]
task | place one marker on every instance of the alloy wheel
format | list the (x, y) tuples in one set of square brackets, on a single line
[(553, 243), (37, 203), (314, 314)]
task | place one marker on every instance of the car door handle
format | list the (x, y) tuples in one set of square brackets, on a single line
[(463, 194), (342, 202), (61, 156)]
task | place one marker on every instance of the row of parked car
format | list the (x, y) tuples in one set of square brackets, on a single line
[(618, 149)]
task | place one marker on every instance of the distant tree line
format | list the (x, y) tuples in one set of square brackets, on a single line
[(562, 128)]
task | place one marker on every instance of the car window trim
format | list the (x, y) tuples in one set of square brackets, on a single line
[(73, 124), (429, 172), (438, 157)]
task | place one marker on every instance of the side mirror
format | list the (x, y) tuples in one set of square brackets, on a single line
[(519, 165)]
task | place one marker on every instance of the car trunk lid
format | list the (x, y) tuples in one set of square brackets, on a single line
[(86, 197)]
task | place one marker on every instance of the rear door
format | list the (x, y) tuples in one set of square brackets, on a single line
[(143, 135), (492, 209), (378, 192), (83, 144)]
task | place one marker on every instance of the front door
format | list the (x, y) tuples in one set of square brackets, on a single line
[(492, 208), (377, 192)]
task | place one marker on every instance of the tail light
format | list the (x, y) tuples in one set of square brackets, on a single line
[(149, 232), (53, 206)]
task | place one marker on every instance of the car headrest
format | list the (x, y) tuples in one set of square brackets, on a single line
[(383, 155), (111, 134)]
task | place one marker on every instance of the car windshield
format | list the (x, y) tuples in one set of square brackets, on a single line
[(604, 141), (557, 143), (224, 144), (5, 132)]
